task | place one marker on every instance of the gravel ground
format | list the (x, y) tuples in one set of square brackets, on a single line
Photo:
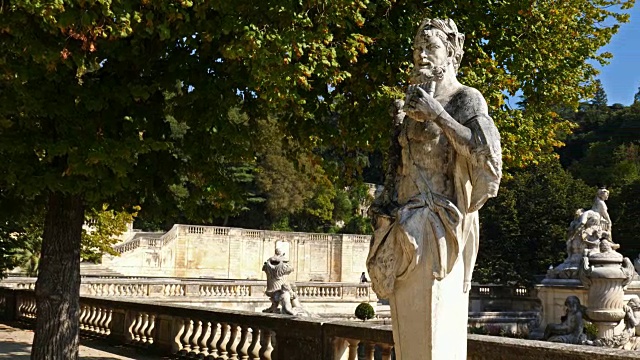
[(15, 343)]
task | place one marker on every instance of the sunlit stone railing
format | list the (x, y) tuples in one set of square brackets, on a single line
[(198, 333), (245, 289), (189, 332)]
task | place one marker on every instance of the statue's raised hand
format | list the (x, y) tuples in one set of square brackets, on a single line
[(421, 106)]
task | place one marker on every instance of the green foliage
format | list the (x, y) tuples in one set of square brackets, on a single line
[(600, 96), (591, 330), (364, 311), (524, 227), (478, 330), (105, 225), (358, 225)]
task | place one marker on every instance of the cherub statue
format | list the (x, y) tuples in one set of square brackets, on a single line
[(276, 268), (628, 339), (570, 331)]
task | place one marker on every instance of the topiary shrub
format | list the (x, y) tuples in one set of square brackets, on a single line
[(365, 311)]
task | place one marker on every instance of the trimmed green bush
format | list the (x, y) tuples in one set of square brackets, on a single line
[(365, 311)]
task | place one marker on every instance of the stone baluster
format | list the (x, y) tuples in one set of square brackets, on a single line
[(221, 346), (104, 312), (243, 344), (386, 350), (353, 348), (130, 317), (144, 320), (149, 332), (340, 347), (202, 341), (136, 330), (83, 316), (213, 341), (33, 308), (369, 351), (265, 344), (107, 322), (254, 348), (193, 341), (95, 321), (232, 353), (90, 320), (176, 344), (188, 330)]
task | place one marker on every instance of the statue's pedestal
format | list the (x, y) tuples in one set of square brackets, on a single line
[(430, 317), (553, 293)]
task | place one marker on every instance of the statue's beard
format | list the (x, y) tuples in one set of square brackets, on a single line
[(427, 73)]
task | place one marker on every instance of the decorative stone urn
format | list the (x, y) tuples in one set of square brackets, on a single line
[(605, 274)]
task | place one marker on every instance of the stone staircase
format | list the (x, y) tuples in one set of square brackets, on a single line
[(98, 270)]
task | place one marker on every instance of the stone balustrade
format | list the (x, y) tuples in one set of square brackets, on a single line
[(148, 287), (190, 332)]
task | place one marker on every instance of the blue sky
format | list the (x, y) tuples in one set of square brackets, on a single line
[(621, 78)]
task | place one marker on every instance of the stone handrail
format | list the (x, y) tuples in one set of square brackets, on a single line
[(169, 236), (200, 333), (254, 289), (191, 332), (127, 246)]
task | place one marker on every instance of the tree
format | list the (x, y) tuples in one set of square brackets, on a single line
[(104, 227), (524, 227), (600, 96)]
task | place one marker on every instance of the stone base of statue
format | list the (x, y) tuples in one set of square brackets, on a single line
[(429, 317)]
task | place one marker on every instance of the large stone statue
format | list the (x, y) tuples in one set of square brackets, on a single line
[(276, 269), (570, 331), (445, 162), (586, 232)]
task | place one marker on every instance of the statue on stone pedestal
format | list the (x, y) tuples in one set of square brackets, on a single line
[(585, 234), (445, 163), (570, 331), (276, 269)]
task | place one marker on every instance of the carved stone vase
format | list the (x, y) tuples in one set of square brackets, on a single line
[(605, 275)]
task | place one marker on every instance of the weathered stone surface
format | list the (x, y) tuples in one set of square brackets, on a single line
[(427, 230), (234, 253), (501, 348)]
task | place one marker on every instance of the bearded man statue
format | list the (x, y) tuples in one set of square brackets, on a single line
[(445, 163)]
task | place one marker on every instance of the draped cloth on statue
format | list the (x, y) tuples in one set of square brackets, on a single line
[(400, 244), (415, 258)]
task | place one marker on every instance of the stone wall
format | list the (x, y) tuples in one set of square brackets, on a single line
[(235, 253)]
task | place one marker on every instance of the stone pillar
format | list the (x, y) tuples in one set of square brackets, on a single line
[(605, 274)]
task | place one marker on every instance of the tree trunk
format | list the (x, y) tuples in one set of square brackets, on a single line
[(58, 284)]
